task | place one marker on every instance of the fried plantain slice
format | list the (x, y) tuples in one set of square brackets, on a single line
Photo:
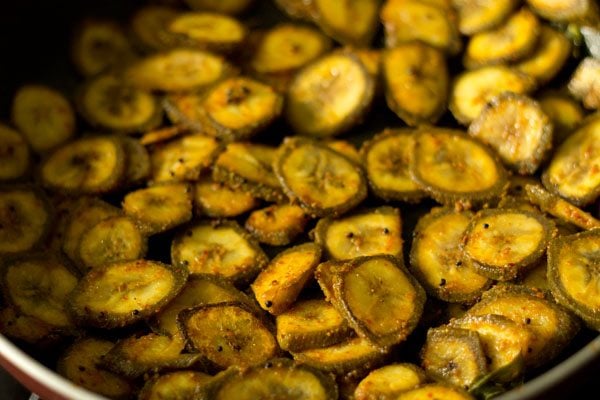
[(27, 329), (568, 10), (208, 30), (217, 200), (472, 90), (574, 170), (408, 20), (15, 156), (454, 168), (279, 284), (564, 112), (329, 96), (387, 382), (89, 165), (249, 167), (346, 148), (138, 165), (436, 259), (184, 158), (323, 181), (416, 82), (353, 23), (476, 16), (174, 385), (122, 293), (517, 128), (511, 41), (108, 102), (80, 364), (277, 224), (178, 70), (228, 334), (584, 84), (364, 233), (219, 248), (162, 134), (149, 26), (310, 324), (44, 116), (25, 218), (435, 390), (220, 6)]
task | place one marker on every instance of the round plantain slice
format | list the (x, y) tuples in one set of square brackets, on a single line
[(311, 324), (573, 275), (89, 165), (517, 128), (416, 82), (281, 281), (109, 103), (219, 6), (44, 116), (564, 112), (553, 326), (584, 83), (278, 377), (323, 181), (472, 90), (15, 156), (249, 167), (25, 218), (217, 200), (329, 96), (174, 385), (228, 334), (387, 382), (80, 364), (566, 10), (364, 233), (352, 23), (435, 391), (208, 30), (219, 248), (476, 16), (277, 224), (138, 162), (574, 170), (184, 158), (120, 294), (436, 259), (430, 23), (149, 26), (454, 168), (511, 41), (27, 329), (178, 70)]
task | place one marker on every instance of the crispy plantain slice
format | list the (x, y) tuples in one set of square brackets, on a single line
[(517, 128), (119, 294), (310, 324), (279, 284), (249, 167), (428, 22), (564, 112), (15, 156), (159, 208), (387, 382), (174, 385), (513, 40), (219, 248), (138, 162), (27, 329), (364, 233), (216, 200), (323, 181), (416, 82), (436, 259), (25, 218), (567, 10), (574, 170), (476, 16), (277, 224), (208, 30), (89, 165), (298, 9), (346, 148), (353, 23), (454, 168), (184, 158), (228, 334), (435, 391), (584, 84), (553, 326), (149, 26), (472, 90), (454, 355), (162, 134), (503, 243), (108, 102), (329, 96), (220, 6), (80, 364), (44, 116), (178, 70)]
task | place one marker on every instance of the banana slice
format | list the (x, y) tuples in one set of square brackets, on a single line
[(163, 134), (476, 16), (220, 6), (389, 381), (352, 23), (208, 30), (30, 330), (216, 200), (278, 224), (584, 84), (15, 156), (566, 10), (436, 391), (564, 112), (185, 384), (548, 58), (150, 27), (138, 162)]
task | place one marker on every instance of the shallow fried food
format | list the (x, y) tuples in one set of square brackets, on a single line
[(475, 16), (352, 23), (217, 200), (15, 156), (584, 84), (278, 224), (565, 113), (173, 385), (387, 382)]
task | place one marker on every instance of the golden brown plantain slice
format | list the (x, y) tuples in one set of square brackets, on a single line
[(162, 134), (89, 165), (28, 329), (277, 224), (585, 83), (513, 40), (208, 30), (216, 200), (44, 116), (323, 181), (149, 26), (138, 162), (15, 156), (174, 385), (475, 16), (564, 112), (472, 90), (416, 82), (220, 6), (120, 294), (279, 284), (329, 95), (435, 391), (565, 10), (387, 382), (352, 23), (517, 128), (574, 170)]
